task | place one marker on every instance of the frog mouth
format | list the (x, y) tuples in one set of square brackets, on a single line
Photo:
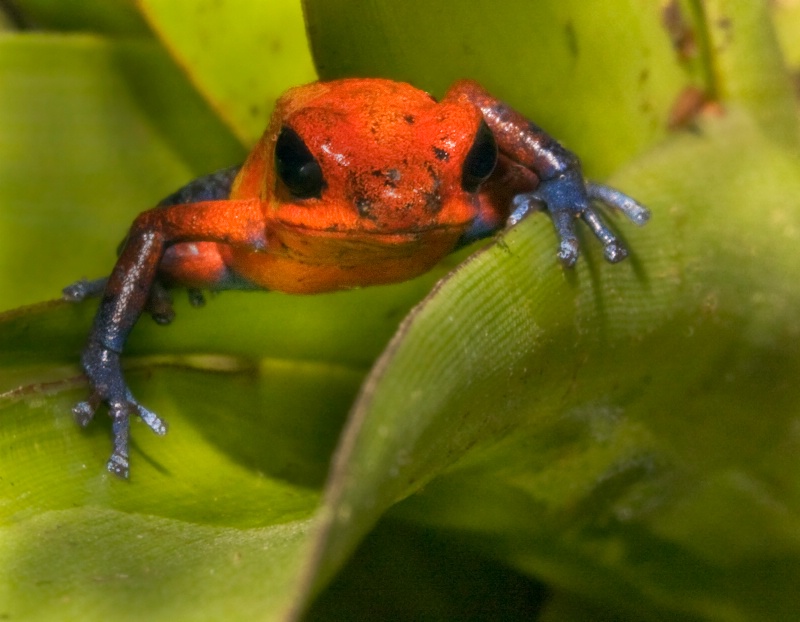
[(411, 233)]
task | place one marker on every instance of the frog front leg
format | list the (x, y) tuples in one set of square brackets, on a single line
[(561, 187), (125, 297)]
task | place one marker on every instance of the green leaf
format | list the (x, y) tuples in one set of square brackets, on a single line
[(786, 18), (748, 66), (88, 143), (625, 433), (127, 567), (207, 520), (240, 55), (117, 19), (604, 431)]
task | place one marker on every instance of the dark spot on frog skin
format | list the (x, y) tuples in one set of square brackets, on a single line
[(433, 197), (364, 207), (441, 154), (391, 176)]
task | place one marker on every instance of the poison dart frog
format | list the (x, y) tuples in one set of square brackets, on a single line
[(355, 182)]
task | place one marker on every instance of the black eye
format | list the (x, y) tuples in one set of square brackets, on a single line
[(480, 160), (296, 167)]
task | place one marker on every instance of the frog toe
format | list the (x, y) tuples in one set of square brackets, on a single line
[(83, 413), (637, 213), (118, 465)]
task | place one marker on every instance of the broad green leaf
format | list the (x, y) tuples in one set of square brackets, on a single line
[(240, 55), (644, 459), (179, 539), (93, 133), (623, 432), (120, 567), (606, 431), (236, 478)]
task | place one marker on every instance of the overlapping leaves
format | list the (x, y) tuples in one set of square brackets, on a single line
[(623, 433)]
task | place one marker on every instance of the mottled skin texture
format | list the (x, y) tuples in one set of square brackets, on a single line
[(355, 182)]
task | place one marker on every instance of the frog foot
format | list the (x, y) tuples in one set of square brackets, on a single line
[(568, 198), (108, 386)]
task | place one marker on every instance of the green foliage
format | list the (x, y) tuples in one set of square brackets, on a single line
[(625, 434)]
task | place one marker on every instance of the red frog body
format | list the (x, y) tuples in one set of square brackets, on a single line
[(355, 182)]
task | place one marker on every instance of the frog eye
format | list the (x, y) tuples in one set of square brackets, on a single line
[(480, 160), (296, 167)]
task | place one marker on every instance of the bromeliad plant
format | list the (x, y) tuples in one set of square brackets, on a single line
[(625, 435)]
